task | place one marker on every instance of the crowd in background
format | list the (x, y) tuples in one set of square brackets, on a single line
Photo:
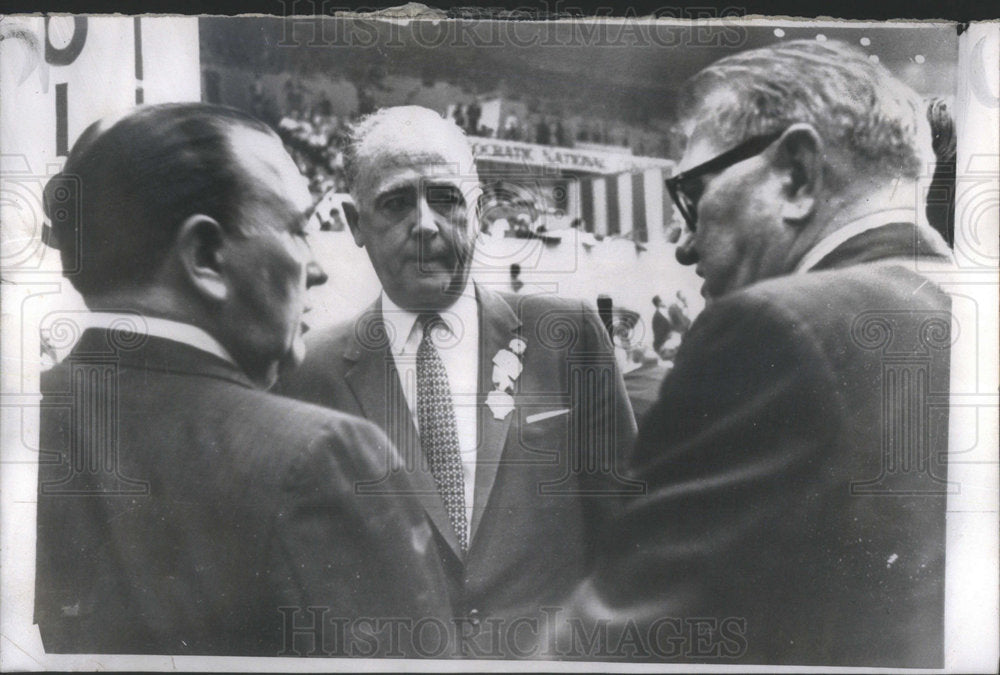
[(546, 129), (316, 139), (315, 135)]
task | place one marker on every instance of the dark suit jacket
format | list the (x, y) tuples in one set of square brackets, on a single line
[(182, 511), (543, 488), (795, 466)]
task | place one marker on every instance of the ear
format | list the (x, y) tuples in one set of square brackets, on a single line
[(798, 155), (199, 245), (353, 222)]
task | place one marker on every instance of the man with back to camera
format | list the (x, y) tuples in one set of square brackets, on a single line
[(181, 508), (509, 409), (795, 460), (661, 324)]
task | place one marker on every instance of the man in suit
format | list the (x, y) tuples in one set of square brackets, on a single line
[(509, 410), (181, 508), (679, 320), (661, 324), (795, 459)]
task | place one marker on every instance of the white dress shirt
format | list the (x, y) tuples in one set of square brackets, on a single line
[(155, 327), (459, 350)]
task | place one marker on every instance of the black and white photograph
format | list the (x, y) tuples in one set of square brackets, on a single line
[(424, 339)]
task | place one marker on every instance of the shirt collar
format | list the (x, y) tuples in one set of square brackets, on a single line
[(833, 240), (401, 321), (159, 328)]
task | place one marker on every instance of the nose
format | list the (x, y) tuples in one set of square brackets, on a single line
[(315, 274), (686, 253), (426, 222)]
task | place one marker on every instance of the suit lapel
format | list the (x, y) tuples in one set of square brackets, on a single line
[(375, 384), (368, 351), (497, 326)]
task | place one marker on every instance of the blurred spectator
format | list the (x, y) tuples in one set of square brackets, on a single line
[(669, 322), (605, 308), (678, 314), (325, 107), (511, 128), (560, 134), (940, 207), (336, 223), (668, 350), (522, 226), (542, 132), (661, 324), (473, 113), (515, 278), (293, 94)]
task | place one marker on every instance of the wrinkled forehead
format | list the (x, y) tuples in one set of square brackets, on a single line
[(392, 168), (408, 138), (268, 168)]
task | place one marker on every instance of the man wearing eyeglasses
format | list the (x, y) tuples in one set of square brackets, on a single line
[(794, 463)]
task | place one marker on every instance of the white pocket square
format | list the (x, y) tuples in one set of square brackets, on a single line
[(538, 417)]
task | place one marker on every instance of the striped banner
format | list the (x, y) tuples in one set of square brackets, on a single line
[(633, 204)]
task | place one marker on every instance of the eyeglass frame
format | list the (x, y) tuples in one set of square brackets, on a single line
[(751, 147)]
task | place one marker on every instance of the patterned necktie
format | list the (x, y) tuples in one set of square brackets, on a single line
[(438, 431)]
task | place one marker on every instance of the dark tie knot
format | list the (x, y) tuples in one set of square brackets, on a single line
[(432, 322)]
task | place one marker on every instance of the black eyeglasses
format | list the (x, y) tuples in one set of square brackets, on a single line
[(685, 188)]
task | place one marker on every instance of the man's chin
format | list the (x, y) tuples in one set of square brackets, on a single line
[(434, 293)]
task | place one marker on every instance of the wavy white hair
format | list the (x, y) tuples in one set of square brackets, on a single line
[(855, 105)]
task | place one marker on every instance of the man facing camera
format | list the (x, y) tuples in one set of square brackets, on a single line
[(795, 459), (181, 508), (509, 411)]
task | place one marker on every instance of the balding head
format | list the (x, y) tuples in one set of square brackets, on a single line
[(392, 137)]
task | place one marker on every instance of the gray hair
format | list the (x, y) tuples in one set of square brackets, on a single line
[(854, 104), (405, 132)]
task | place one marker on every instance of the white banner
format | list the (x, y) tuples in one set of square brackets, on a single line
[(569, 159), (56, 78)]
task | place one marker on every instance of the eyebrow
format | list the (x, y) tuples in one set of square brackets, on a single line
[(394, 190)]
